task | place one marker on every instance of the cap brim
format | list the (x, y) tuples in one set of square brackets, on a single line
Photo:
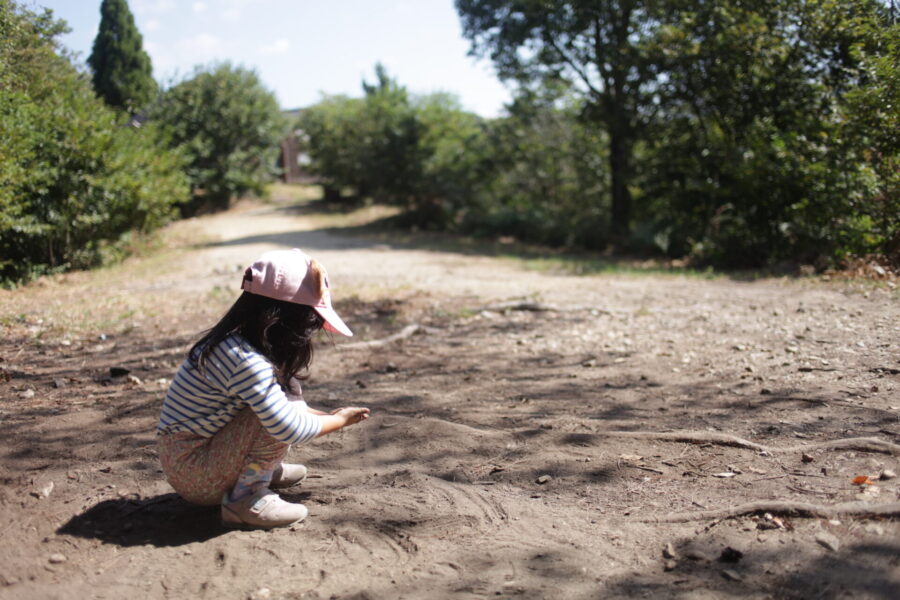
[(333, 322)]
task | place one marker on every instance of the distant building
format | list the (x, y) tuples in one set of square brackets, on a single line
[(293, 162)]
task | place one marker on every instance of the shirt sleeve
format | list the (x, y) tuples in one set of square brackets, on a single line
[(254, 382)]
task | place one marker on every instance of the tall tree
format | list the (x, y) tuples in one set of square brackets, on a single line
[(595, 45), (123, 75)]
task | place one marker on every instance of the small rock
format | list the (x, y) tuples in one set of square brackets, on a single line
[(589, 363), (731, 575), (47, 490), (828, 541), (696, 555), (669, 551), (135, 381), (875, 529), (887, 474), (261, 594), (59, 383), (731, 555), (543, 479), (27, 394), (118, 371), (806, 458), (670, 565), (57, 558)]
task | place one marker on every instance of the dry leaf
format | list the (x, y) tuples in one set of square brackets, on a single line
[(632, 457), (863, 480), (724, 475)]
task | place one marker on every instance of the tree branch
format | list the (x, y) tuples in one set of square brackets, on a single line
[(787, 508)]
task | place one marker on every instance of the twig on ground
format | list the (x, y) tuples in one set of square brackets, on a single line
[(651, 469), (788, 508), (404, 333), (540, 307), (864, 444)]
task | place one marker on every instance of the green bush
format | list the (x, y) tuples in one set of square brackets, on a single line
[(229, 127), (422, 154), (73, 177)]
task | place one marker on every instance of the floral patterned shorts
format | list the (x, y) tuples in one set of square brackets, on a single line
[(202, 469)]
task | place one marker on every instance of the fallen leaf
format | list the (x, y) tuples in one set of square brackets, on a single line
[(863, 480), (725, 475), (632, 457)]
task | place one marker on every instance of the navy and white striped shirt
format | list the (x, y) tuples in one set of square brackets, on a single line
[(235, 376)]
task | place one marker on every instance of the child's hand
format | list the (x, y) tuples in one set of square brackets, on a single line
[(352, 414)]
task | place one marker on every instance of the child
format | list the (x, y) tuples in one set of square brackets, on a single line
[(235, 405)]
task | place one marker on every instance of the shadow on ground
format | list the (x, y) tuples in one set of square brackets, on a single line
[(164, 520)]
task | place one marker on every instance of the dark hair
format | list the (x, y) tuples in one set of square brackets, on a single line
[(281, 331)]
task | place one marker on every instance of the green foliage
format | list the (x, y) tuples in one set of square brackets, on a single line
[(549, 177), (229, 127), (597, 47), (123, 75), (747, 133), (330, 137), (73, 178), (872, 126), (421, 153), (749, 162)]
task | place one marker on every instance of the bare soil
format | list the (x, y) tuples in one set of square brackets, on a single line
[(496, 462)]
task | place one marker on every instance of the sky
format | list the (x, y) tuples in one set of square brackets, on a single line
[(302, 49)]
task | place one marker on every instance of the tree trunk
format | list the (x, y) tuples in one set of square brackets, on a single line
[(620, 167)]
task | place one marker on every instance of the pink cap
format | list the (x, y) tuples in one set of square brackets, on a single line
[(292, 276)]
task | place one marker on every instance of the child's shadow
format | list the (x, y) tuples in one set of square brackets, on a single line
[(164, 520)]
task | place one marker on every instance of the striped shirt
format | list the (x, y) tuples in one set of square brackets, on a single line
[(235, 376)]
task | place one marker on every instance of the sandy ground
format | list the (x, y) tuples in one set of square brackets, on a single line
[(497, 462)]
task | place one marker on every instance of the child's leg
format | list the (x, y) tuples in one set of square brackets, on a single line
[(238, 459)]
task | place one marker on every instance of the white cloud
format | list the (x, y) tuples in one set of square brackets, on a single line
[(199, 7), (279, 46), (232, 14), (151, 26)]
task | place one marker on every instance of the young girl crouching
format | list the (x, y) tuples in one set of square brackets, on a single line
[(235, 405)]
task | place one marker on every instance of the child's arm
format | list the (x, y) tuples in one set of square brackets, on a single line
[(341, 418)]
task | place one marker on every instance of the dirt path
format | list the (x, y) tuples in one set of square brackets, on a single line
[(497, 462)]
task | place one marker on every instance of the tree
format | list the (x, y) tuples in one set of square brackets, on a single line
[(751, 132), (74, 182), (421, 153), (594, 45), (122, 73), (548, 177), (749, 160), (229, 127)]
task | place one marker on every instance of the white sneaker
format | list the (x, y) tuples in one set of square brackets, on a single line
[(264, 509), (286, 474)]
